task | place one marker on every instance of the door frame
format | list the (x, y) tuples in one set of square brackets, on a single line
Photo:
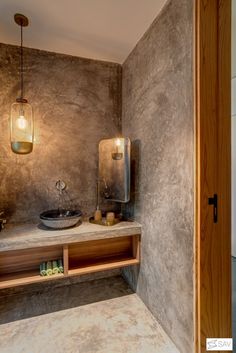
[(212, 270)]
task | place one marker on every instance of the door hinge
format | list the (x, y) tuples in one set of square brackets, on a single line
[(214, 202)]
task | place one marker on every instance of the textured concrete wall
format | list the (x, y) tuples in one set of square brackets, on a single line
[(76, 103), (158, 117)]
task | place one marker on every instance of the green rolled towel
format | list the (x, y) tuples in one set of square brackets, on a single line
[(60, 266), (55, 268), (49, 268), (43, 269)]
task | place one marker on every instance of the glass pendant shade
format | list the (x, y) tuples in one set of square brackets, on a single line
[(21, 118), (22, 127)]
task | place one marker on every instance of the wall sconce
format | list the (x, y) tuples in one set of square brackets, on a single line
[(118, 154), (22, 123)]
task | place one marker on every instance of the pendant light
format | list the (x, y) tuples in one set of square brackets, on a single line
[(21, 124)]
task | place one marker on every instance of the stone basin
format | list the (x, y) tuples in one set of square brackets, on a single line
[(60, 219)]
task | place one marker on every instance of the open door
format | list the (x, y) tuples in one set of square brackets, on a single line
[(213, 171)]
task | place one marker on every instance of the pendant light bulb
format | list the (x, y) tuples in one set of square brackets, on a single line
[(22, 124)]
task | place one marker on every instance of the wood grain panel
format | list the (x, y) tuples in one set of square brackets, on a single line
[(30, 259), (25, 277), (136, 246), (213, 136), (115, 262), (65, 259), (92, 251)]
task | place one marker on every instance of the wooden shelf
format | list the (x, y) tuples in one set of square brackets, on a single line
[(21, 267), (85, 267), (103, 267), (25, 277)]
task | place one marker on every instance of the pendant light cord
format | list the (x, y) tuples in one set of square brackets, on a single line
[(21, 60)]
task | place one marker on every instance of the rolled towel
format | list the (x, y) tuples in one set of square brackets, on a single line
[(49, 268), (43, 269), (55, 268), (60, 265)]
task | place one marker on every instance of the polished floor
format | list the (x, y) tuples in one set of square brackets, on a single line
[(101, 316), (234, 300)]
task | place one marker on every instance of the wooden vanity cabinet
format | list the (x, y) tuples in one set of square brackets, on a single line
[(20, 267)]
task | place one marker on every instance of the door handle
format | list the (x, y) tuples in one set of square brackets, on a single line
[(214, 202)]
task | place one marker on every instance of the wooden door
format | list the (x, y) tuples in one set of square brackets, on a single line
[(213, 170)]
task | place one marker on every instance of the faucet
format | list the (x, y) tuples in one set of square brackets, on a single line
[(106, 190), (2, 220)]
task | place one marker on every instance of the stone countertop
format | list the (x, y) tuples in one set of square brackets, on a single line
[(26, 236)]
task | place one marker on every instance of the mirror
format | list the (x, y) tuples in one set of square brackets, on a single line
[(114, 169)]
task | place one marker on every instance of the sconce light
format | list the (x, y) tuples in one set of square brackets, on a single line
[(22, 123), (119, 146)]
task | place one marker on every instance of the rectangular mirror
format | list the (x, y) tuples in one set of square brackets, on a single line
[(114, 169)]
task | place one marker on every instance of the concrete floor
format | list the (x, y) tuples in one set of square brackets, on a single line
[(101, 316), (234, 299)]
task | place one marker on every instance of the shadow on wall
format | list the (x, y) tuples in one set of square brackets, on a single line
[(132, 207)]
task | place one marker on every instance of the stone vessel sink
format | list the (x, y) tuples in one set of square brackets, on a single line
[(60, 219)]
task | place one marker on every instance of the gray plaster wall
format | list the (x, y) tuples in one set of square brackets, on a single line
[(76, 103), (158, 117)]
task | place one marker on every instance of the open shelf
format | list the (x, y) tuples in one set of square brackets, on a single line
[(103, 254), (25, 277), (102, 264), (21, 267)]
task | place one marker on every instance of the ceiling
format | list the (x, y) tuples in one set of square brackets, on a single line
[(98, 29)]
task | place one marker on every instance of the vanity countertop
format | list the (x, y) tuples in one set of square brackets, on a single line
[(26, 236)]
